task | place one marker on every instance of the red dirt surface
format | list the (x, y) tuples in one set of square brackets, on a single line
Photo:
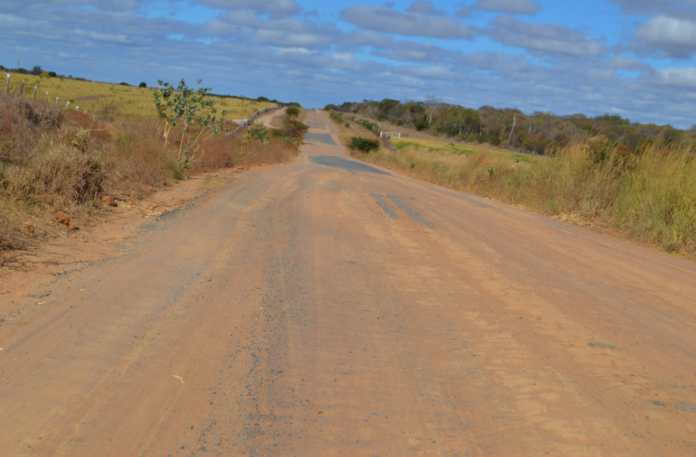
[(325, 308), (109, 201)]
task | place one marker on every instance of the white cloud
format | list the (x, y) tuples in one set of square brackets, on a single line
[(544, 39), (674, 37), (424, 7), (641, 7), (381, 19), (274, 8), (508, 6), (621, 62), (679, 77)]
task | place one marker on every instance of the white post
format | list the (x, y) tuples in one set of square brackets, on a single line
[(57, 101), (67, 106), (35, 89), (77, 109), (47, 97), (7, 84)]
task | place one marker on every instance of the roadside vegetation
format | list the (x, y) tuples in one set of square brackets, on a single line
[(538, 133), (53, 159), (646, 195)]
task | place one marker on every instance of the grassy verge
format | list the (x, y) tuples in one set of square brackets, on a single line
[(648, 198), (57, 160)]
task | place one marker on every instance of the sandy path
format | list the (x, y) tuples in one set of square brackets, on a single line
[(329, 308)]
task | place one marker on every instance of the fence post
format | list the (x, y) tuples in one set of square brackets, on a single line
[(56, 101), (77, 109), (7, 83), (67, 106), (21, 89), (35, 89), (47, 97)]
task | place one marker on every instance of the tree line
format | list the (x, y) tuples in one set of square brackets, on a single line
[(539, 132)]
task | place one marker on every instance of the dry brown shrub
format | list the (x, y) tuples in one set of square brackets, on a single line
[(229, 152)]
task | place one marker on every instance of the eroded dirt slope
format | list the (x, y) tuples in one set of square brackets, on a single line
[(330, 308)]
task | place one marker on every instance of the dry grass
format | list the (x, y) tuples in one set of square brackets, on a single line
[(115, 102), (223, 152), (55, 160), (650, 199)]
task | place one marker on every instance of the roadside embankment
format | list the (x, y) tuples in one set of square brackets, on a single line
[(55, 160)]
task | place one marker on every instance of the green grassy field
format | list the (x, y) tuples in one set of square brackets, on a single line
[(123, 103), (452, 148)]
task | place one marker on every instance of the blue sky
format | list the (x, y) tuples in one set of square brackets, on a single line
[(629, 57)]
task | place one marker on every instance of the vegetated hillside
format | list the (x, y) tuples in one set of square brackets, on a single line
[(539, 133), (646, 195), (53, 159), (110, 102)]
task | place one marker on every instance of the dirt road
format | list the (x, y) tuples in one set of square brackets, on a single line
[(267, 118), (328, 308)]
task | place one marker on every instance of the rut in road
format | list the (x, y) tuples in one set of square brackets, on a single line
[(332, 308)]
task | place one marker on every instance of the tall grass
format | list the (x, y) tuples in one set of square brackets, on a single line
[(649, 197)]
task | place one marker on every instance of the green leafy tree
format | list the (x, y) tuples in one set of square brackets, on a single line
[(184, 106)]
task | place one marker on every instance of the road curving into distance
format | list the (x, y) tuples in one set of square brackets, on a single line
[(331, 308)]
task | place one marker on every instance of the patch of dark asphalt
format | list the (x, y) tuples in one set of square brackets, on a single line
[(315, 125), (349, 165), (412, 213), (686, 407), (324, 138), (601, 345), (384, 206)]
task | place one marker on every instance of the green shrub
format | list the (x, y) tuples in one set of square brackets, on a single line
[(257, 132), (293, 111), (490, 139), (363, 144), (337, 118)]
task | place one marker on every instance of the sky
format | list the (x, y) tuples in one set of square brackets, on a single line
[(634, 58)]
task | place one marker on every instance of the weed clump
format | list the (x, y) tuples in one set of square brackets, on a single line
[(363, 144)]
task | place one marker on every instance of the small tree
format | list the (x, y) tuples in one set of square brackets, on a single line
[(432, 105), (143, 85), (183, 106)]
